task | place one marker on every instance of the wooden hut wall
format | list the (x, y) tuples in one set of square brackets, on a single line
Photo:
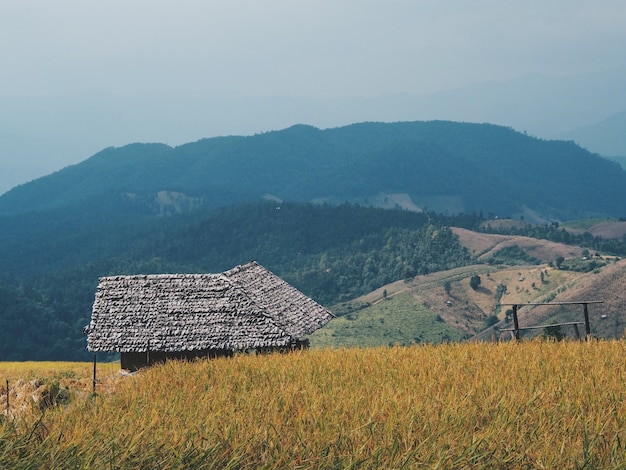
[(136, 360)]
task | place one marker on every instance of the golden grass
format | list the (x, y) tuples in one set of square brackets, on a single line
[(31, 369), (478, 405)]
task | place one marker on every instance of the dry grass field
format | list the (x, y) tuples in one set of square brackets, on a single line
[(607, 319), (483, 245), (473, 405), (599, 228), (405, 314)]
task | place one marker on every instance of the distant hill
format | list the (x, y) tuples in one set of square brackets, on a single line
[(599, 228), (119, 194), (620, 160), (544, 106), (444, 166), (607, 137)]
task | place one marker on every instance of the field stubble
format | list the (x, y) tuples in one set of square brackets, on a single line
[(529, 405)]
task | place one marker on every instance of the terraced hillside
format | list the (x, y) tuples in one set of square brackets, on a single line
[(444, 306)]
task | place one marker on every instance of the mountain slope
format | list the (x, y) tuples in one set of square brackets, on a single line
[(331, 253), (607, 319), (443, 307), (447, 166), (485, 245)]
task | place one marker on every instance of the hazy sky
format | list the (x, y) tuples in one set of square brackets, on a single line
[(61, 59)]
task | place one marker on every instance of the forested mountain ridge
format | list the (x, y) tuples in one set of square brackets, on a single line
[(64, 218), (445, 166)]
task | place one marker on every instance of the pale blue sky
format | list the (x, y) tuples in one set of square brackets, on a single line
[(74, 73)]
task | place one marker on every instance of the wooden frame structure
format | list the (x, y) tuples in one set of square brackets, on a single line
[(516, 328)]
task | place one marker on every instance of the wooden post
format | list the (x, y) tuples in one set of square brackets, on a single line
[(576, 331), (7, 395), (587, 325), (94, 373), (515, 323)]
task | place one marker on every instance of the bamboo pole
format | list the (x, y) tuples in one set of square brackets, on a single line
[(515, 323), (94, 373), (587, 325)]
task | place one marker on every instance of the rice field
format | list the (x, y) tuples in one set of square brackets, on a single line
[(474, 405)]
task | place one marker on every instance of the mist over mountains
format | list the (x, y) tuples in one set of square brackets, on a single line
[(608, 137), (64, 130)]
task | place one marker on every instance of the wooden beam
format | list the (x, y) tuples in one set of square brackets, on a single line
[(587, 324), (515, 323), (581, 302), (538, 327)]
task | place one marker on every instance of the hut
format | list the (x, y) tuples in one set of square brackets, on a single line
[(152, 318)]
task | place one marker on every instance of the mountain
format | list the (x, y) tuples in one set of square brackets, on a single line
[(120, 194), (607, 137), (446, 166), (621, 161)]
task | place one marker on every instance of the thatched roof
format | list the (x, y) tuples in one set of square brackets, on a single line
[(245, 307)]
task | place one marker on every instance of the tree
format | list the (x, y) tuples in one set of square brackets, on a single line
[(475, 281), (508, 315), (559, 261), (491, 320), (553, 332)]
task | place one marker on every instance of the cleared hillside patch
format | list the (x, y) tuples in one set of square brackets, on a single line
[(396, 319), (484, 245), (608, 320), (598, 227), (445, 296)]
